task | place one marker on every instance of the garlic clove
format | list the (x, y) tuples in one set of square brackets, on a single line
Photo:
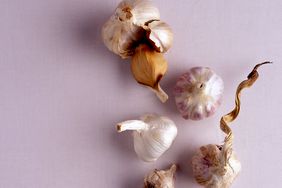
[(153, 135), (148, 67), (160, 35), (209, 169), (160, 178), (198, 93)]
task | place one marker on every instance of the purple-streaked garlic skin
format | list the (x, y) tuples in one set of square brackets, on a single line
[(209, 169), (198, 93)]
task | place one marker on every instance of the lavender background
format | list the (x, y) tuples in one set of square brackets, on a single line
[(62, 91)]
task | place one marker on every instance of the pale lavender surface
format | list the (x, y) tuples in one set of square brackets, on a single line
[(62, 91)]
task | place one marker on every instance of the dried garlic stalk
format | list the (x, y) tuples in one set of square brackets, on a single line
[(216, 166)]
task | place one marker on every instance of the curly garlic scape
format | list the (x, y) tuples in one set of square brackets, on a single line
[(231, 116)]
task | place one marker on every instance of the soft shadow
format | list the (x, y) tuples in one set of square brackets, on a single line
[(84, 29), (132, 182), (184, 171)]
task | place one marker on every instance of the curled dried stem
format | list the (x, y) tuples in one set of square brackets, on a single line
[(231, 116)]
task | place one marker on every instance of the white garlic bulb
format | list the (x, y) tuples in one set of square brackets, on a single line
[(153, 135), (198, 93), (160, 35), (123, 30), (160, 178), (209, 168)]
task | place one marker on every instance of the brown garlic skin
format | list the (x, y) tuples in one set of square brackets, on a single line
[(160, 178), (148, 67)]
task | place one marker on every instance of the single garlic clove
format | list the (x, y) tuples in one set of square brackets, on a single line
[(160, 35), (148, 67), (153, 135), (160, 178), (198, 93), (123, 31)]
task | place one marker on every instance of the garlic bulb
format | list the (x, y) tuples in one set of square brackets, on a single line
[(209, 169), (123, 31), (152, 134), (160, 35), (148, 67), (160, 178), (216, 166), (198, 93)]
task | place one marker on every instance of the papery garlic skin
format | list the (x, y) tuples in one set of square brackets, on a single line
[(209, 169), (160, 178), (122, 32), (160, 35), (153, 135), (198, 93), (121, 37), (148, 67)]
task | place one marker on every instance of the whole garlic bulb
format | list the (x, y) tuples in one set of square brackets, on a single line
[(160, 178), (123, 30), (153, 135), (198, 93), (209, 169), (160, 35), (216, 166)]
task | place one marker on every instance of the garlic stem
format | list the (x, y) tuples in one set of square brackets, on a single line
[(131, 125), (160, 93)]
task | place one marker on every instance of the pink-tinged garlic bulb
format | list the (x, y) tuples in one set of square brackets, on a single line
[(198, 93), (209, 169), (160, 178), (216, 166)]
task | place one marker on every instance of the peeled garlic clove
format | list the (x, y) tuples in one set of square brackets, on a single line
[(148, 67), (209, 169), (160, 35), (123, 31), (160, 178), (198, 93), (152, 134)]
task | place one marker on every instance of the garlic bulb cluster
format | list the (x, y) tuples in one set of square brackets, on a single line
[(216, 166), (198, 93), (160, 178), (209, 169), (135, 30), (153, 135)]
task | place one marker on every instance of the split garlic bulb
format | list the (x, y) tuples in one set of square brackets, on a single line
[(160, 178), (198, 93), (216, 166), (209, 169), (123, 31), (160, 35), (153, 135)]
